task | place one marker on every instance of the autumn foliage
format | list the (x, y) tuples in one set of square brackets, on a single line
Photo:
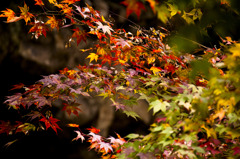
[(194, 99)]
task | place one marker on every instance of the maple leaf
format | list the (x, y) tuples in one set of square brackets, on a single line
[(14, 100), (25, 128), (155, 70), (119, 141), (65, 9), (94, 130), (92, 57), (25, 14), (38, 29), (34, 114), (70, 1), (79, 35), (83, 11), (95, 137), (17, 86), (39, 2), (133, 6), (7, 127), (72, 108), (122, 42), (53, 22), (41, 101), (51, 122), (106, 146), (10, 15), (105, 28), (79, 136)]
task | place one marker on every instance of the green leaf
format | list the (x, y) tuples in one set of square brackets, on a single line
[(131, 114), (157, 105), (132, 136), (157, 128)]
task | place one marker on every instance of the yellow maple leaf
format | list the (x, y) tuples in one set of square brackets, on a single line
[(155, 70), (25, 14), (92, 57)]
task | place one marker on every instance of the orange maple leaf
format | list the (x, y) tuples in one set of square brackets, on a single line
[(70, 1), (10, 15), (25, 14), (65, 9), (133, 6), (94, 130), (39, 2), (53, 22)]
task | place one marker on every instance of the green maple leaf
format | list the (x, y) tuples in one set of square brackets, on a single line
[(131, 114), (158, 105)]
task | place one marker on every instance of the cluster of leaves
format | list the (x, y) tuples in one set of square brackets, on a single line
[(108, 147), (195, 99)]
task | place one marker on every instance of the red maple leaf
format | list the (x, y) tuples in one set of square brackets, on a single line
[(38, 29), (71, 108), (133, 6), (7, 127), (79, 35), (17, 86), (51, 122)]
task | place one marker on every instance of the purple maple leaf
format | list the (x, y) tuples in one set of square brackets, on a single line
[(14, 99)]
